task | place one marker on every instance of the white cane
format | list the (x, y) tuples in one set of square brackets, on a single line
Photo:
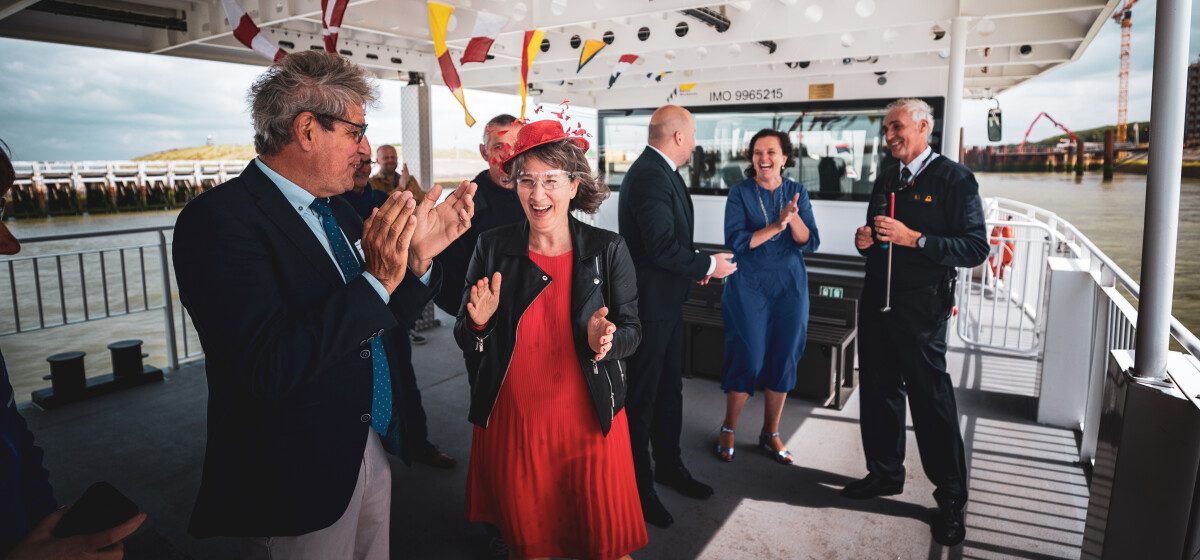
[(887, 302)]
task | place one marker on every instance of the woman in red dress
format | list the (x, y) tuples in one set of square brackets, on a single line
[(548, 315)]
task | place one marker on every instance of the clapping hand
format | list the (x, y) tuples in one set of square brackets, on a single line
[(789, 213), (438, 225), (600, 333), (485, 297), (386, 236), (405, 176)]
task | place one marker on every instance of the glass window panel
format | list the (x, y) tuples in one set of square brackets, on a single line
[(837, 152)]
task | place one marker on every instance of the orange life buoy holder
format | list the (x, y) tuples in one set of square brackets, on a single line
[(1003, 241)]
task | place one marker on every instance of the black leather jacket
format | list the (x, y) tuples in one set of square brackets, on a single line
[(603, 275)]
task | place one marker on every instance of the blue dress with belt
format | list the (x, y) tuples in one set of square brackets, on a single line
[(765, 303)]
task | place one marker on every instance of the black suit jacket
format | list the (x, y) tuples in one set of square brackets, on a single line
[(655, 217), (286, 345), (495, 206)]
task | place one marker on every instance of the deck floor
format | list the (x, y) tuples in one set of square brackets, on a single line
[(1028, 495)]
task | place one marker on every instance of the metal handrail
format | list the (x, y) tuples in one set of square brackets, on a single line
[(85, 235), (168, 306), (1072, 235)]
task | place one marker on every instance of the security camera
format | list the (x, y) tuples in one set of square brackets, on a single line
[(1025, 50)]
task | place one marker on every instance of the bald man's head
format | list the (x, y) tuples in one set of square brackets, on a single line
[(673, 132)]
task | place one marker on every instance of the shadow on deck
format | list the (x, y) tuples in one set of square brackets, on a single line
[(1028, 494)]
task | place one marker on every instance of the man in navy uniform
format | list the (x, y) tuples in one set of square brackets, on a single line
[(938, 226)]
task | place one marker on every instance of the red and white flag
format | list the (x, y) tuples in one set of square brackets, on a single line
[(487, 28), (331, 22), (248, 33), (622, 64)]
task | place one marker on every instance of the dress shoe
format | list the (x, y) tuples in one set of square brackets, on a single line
[(654, 511), (435, 458), (416, 339), (871, 487), (948, 528), (681, 480)]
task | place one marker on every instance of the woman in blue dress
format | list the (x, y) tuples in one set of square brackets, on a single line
[(768, 224)]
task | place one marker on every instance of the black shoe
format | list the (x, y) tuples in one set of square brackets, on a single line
[(871, 487), (681, 480), (948, 528), (497, 549), (416, 339), (653, 510)]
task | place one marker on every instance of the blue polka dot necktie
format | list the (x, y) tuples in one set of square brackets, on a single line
[(381, 400)]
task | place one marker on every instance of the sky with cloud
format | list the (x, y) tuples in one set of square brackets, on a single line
[(77, 103)]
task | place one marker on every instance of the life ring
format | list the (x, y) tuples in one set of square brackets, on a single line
[(1003, 241)]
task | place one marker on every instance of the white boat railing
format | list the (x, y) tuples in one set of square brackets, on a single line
[(53, 289), (1041, 234)]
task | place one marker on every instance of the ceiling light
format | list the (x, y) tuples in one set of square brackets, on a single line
[(847, 40), (864, 8), (890, 35), (985, 27), (814, 13)]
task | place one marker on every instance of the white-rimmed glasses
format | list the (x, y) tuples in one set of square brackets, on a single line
[(551, 179)]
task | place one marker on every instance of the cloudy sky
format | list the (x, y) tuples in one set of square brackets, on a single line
[(65, 102)]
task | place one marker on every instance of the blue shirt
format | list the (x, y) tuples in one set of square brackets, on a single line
[(301, 200), (370, 199)]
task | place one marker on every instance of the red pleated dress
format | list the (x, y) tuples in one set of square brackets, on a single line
[(542, 472)]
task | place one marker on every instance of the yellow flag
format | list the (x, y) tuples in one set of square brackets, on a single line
[(439, 18), (591, 48), (532, 46)]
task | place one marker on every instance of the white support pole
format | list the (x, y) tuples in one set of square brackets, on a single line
[(1167, 107), (954, 88), (416, 132)]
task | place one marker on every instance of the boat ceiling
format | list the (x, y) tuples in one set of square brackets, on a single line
[(752, 44)]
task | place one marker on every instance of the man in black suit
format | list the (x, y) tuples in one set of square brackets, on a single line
[(656, 219), (291, 295)]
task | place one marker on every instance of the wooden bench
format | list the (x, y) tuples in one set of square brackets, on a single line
[(826, 371)]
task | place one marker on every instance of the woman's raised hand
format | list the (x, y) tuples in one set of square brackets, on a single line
[(485, 296), (600, 333), (789, 212)]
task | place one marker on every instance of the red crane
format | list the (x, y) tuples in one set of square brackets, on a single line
[(1074, 139), (1124, 17)]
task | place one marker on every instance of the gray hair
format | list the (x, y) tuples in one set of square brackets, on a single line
[(317, 81), (917, 109)]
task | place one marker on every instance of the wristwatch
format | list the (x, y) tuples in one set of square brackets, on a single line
[(921, 241)]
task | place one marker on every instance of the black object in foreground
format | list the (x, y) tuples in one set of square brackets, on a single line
[(101, 508)]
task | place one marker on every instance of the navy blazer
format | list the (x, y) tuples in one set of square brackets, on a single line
[(656, 219), (287, 356)]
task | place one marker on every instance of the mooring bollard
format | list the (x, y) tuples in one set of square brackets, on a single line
[(66, 373), (126, 358)]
